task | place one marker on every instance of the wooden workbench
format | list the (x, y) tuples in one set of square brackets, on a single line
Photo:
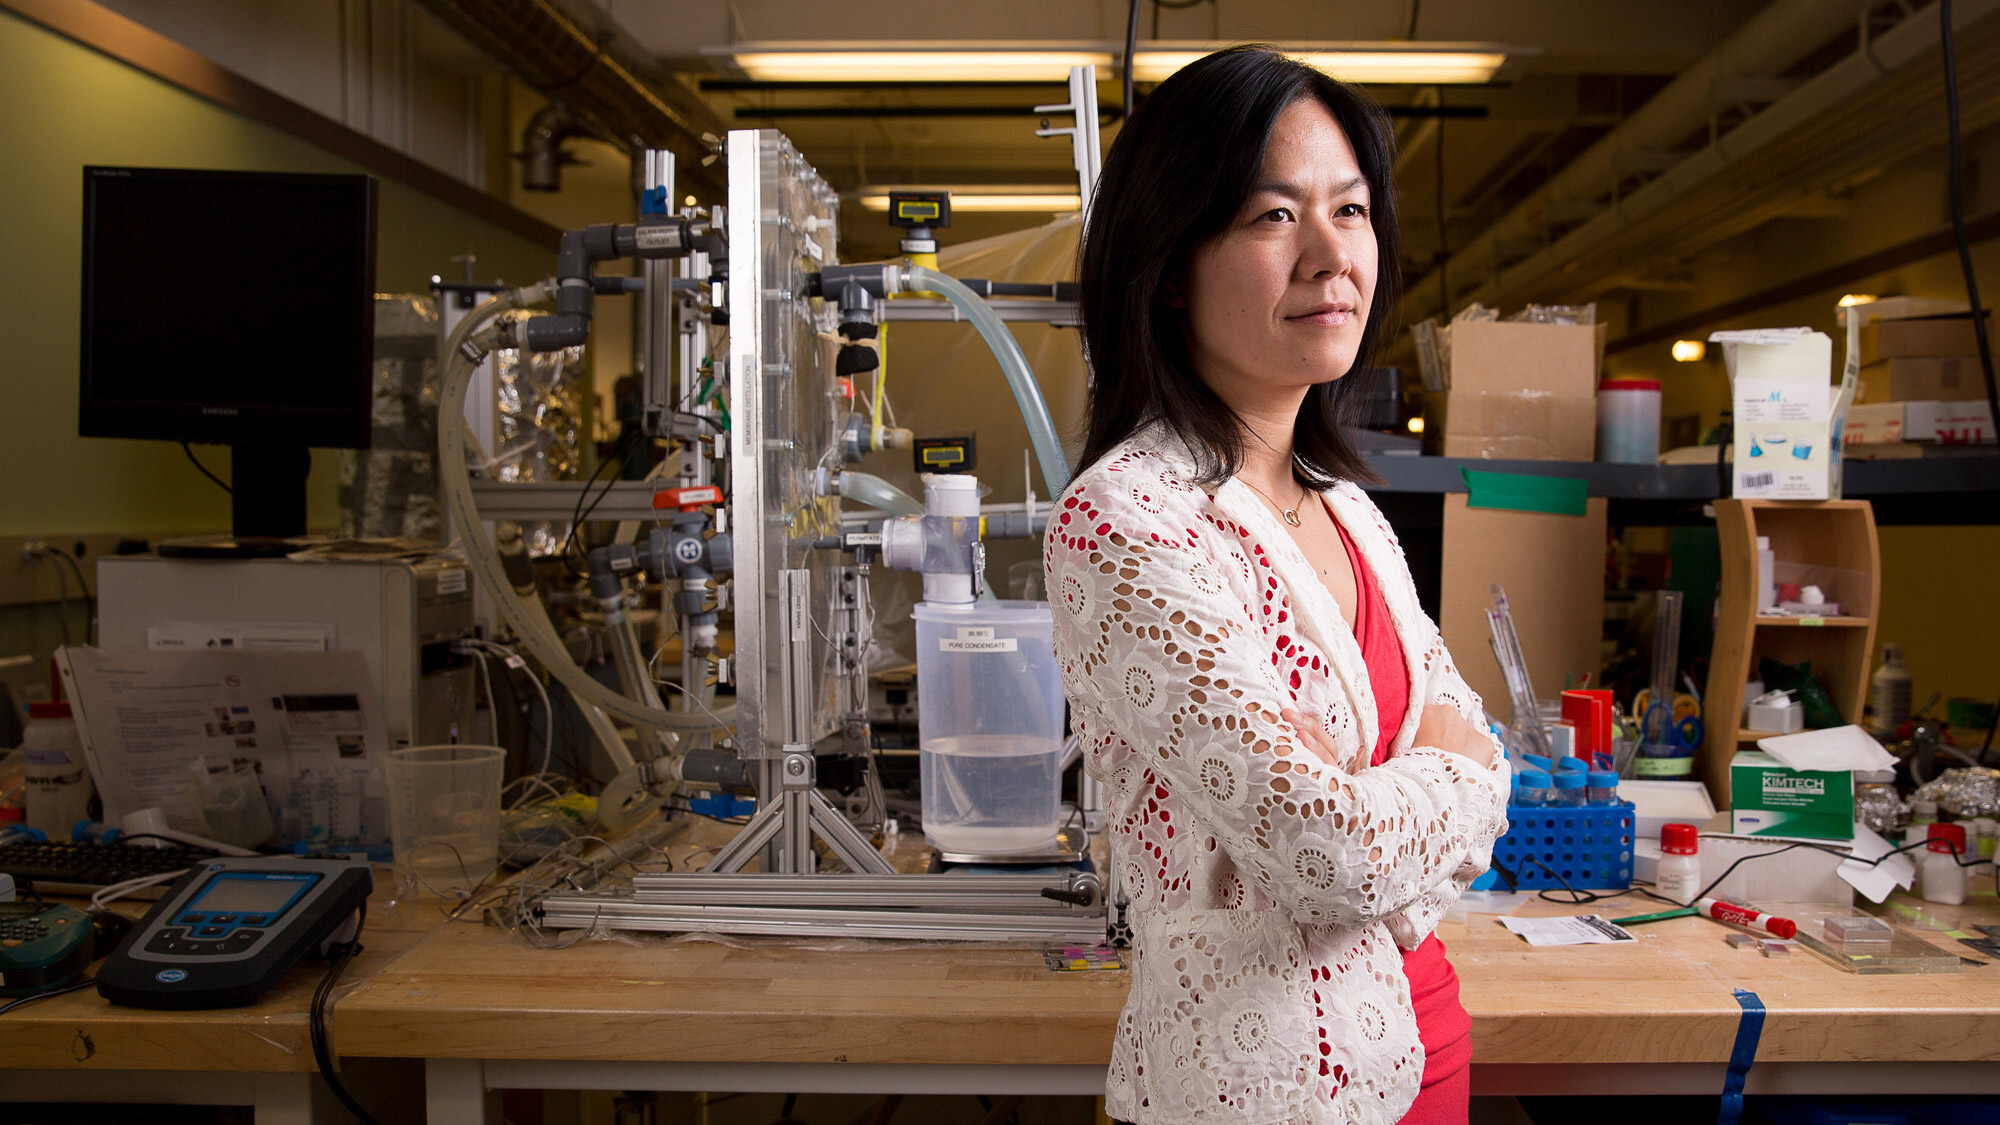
[(485, 1011), (77, 1047), (1659, 1015)]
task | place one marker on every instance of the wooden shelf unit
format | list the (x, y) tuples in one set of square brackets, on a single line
[(1837, 534)]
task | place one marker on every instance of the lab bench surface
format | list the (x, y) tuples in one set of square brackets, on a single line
[(79, 1048), (485, 1011), (1658, 1015)]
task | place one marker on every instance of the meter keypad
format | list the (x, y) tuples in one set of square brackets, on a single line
[(20, 930)]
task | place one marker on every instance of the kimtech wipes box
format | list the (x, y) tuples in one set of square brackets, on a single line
[(1769, 798)]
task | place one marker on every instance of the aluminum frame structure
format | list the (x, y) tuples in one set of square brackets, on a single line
[(781, 223)]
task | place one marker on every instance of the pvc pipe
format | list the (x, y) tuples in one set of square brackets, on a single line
[(1014, 365)]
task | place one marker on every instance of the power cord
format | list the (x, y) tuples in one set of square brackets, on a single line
[(316, 1020), (219, 482), (73, 986)]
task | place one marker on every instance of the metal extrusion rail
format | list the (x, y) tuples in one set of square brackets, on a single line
[(592, 912)]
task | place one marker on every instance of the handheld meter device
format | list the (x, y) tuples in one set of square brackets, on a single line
[(230, 928), (43, 945)]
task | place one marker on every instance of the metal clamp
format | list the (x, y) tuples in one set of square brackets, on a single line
[(795, 767)]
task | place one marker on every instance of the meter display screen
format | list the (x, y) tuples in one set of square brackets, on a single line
[(251, 892)]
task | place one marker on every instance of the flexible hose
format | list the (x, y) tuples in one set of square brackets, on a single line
[(536, 633), (869, 489), (1014, 365)]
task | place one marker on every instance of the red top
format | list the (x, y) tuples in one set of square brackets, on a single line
[(1442, 1023)]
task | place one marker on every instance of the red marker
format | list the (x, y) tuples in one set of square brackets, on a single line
[(1746, 917)]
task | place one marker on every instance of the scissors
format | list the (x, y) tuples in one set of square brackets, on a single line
[(1683, 733), (1685, 705)]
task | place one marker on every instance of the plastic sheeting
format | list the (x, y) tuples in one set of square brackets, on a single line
[(390, 490), (539, 419)]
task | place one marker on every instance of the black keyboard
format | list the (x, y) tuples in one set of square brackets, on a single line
[(84, 868)]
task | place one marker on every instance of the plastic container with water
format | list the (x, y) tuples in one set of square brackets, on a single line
[(990, 720)]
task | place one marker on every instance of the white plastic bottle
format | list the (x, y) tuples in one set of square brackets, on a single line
[(1944, 879), (59, 789), (1767, 576), (1678, 875), (1889, 691)]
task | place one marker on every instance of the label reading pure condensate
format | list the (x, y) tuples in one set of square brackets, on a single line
[(451, 581), (977, 639)]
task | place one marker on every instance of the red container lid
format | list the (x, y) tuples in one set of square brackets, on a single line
[(1629, 385), (1946, 838), (48, 711), (1680, 839)]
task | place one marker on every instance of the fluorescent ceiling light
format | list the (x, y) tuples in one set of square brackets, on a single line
[(915, 63), (1050, 61), (1027, 197), (1366, 63)]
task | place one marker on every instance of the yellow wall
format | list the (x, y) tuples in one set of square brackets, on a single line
[(1938, 602), (68, 106)]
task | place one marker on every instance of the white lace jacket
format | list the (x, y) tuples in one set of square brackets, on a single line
[(1271, 894)]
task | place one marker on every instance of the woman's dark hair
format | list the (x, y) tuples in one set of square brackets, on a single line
[(1179, 172)]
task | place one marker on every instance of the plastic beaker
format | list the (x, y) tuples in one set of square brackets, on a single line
[(444, 814)]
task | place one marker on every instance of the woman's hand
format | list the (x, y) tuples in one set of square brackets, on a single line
[(1446, 729), (1311, 736)]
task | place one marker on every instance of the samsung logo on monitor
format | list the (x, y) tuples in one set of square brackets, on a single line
[(225, 411)]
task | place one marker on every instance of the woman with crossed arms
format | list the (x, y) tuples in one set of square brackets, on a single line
[(1299, 784)]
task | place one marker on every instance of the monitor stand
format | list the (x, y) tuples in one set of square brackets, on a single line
[(267, 505)]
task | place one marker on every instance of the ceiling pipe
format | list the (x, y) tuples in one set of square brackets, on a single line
[(1768, 43), (573, 52), (542, 156), (1869, 109)]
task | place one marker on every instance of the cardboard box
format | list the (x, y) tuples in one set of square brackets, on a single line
[(1510, 426), (1767, 798), (1784, 398), (1517, 391), (1948, 423), (1943, 423), (1552, 568), (1873, 423), (1948, 378), (1921, 336)]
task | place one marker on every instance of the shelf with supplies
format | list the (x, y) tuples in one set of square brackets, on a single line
[(1948, 485), (1829, 542), (1841, 622)]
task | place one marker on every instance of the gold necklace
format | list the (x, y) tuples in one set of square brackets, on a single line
[(1291, 514)]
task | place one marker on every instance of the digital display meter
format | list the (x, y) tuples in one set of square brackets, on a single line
[(230, 928)]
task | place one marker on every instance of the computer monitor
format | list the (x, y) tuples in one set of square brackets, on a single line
[(231, 308)]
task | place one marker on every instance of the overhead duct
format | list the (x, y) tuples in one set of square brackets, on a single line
[(573, 52), (1881, 104), (542, 155), (1769, 43)]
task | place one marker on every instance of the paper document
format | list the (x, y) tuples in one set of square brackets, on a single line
[(1578, 929), (1875, 880), (1833, 749), (308, 722)]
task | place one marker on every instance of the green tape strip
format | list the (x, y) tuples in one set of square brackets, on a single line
[(1523, 492)]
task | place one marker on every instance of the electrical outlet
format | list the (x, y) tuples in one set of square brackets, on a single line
[(33, 549)]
